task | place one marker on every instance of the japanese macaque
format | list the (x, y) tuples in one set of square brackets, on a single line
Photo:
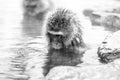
[(35, 12), (36, 7), (65, 43)]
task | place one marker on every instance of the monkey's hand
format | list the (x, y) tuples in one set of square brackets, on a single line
[(76, 41)]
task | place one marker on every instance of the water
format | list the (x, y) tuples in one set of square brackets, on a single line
[(20, 47), (20, 54)]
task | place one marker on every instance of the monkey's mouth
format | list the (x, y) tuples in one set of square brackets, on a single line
[(56, 45)]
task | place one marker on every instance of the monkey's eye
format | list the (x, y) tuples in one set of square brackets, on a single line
[(54, 35)]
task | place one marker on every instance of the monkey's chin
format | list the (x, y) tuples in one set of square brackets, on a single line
[(56, 45)]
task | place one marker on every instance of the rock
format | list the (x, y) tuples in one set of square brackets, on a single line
[(94, 18), (87, 12), (62, 73), (109, 19), (111, 22), (85, 72), (110, 48), (114, 10)]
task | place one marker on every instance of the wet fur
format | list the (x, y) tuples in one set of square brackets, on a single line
[(71, 46)]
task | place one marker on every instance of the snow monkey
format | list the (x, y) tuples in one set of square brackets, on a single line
[(65, 43), (36, 7)]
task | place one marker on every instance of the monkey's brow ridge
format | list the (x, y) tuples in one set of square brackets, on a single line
[(56, 33)]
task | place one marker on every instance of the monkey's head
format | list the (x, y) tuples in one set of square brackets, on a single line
[(33, 7), (63, 29)]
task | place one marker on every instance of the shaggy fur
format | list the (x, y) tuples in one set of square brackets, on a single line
[(65, 44)]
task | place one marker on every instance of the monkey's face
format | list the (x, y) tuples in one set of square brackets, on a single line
[(55, 39), (33, 7), (62, 29), (59, 32)]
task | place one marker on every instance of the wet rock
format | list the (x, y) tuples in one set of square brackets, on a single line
[(114, 10), (109, 19), (88, 12), (62, 73), (110, 48), (94, 18), (85, 72), (111, 22)]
